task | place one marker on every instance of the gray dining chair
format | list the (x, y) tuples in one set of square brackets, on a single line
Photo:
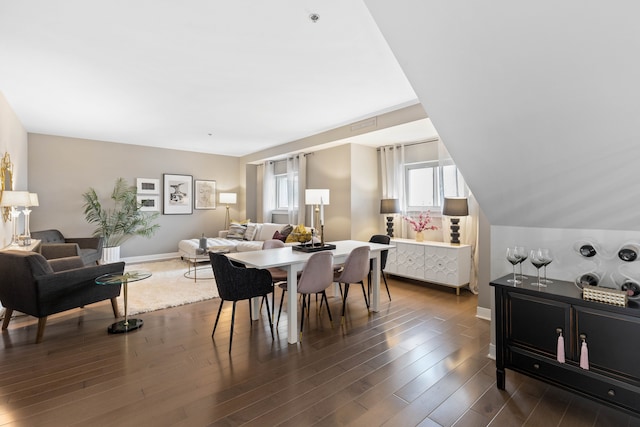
[(354, 270), (316, 277)]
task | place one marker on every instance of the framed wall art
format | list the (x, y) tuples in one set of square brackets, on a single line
[(149, 203), (177, 192), (204, 194), (148, 186)]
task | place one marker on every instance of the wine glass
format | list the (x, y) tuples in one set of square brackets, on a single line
[(547, 257), (535, 256), (513, 259), (521, 252)]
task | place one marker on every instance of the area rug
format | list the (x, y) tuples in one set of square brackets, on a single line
[(167, 287)]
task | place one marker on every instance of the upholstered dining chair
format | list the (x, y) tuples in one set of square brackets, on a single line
[(316, 277), (385, 240), (237, 284), (354, 270)]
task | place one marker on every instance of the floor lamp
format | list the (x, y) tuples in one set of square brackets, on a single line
[(455, 207), (228, 199), (389, 207)]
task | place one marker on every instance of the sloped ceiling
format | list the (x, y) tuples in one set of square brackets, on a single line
[(216, 76), (537, 102)]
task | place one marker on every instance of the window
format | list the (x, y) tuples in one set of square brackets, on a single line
[(424, 182), (282, 192)]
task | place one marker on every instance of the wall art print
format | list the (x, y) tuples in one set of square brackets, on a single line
[(177, 192), (204, 194)]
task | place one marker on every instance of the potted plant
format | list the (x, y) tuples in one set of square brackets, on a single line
[(121, 221)]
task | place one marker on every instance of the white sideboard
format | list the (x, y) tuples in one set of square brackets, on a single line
[(434, 262)]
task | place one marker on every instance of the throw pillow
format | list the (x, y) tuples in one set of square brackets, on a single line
[(236, 231), (279, 236), (251, 231), (286, 230)]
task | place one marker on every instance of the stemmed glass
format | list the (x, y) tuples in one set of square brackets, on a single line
[(535, 256), (547, 257), (513, 259), (521, 253)]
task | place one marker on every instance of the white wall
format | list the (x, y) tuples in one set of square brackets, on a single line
[(13, 140)]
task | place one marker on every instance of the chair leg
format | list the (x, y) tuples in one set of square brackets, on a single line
[(304, 300), (217, 317), (324, 296), (280, 309), (386, 285), (269, 318), (8, 312), (364, 293), (114, 306), (344, 298), (233, 318), (42, 321)]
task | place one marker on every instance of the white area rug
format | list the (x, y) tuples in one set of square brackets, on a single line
[(167, 287)]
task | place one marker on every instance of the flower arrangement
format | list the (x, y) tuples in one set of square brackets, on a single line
[(422, 223)]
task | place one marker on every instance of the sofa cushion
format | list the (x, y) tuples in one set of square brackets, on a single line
[(251, 231), (267, 230), (236, 231)]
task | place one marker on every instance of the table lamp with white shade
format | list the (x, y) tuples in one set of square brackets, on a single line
[(13, 200), (228, 199)]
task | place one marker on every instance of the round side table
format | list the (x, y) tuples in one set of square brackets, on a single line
[(127, 324)]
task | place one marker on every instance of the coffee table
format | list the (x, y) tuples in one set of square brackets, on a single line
[(127, 324)]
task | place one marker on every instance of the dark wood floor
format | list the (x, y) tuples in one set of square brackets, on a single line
[(422, 360)]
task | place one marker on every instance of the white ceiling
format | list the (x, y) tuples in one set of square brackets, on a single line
[(222, 77)]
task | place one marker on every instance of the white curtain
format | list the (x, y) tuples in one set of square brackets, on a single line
[(268, 192), (296, 183), (392, 170), (468, 224)]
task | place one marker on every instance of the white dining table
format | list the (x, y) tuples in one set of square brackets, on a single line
[(293, 261)]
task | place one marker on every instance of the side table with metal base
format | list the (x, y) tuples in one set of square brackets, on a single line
[(127, 324)]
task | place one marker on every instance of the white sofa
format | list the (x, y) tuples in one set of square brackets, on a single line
[(188, 249)]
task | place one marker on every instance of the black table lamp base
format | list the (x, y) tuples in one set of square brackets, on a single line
[(455, 227), (390, 226)]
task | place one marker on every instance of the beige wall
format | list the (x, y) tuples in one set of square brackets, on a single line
[(61, 169), (13, 140)]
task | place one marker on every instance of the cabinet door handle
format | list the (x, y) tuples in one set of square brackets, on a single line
[(611, 392)]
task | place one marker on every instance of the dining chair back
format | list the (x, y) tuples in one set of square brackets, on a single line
[(316, 277), (356, 268), (385, 240), (237, 284)]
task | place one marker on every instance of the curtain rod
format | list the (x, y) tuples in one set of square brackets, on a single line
[(426, 141)]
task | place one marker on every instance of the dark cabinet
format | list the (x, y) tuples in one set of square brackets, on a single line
[(528, 321)]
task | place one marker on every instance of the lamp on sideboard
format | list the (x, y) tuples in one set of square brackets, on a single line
[(389, 207), (228, 199), (33, 201), (13, 200), (455, 207)]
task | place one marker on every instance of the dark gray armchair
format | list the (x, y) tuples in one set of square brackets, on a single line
[(32, 285), (55, 245)]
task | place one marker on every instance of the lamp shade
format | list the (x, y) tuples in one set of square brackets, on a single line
[(228, 198), (316, 196), (455, 206), (388, 206), (33, 197), (15, 198)]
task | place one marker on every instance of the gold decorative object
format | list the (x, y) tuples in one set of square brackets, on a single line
[(6, 183), (302, 237), (605, 295)]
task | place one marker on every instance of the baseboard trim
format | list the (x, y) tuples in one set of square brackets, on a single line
[(483, 313), (151, 258)]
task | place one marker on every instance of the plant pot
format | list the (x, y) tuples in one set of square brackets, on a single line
[(419, 236), (110, 254)]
